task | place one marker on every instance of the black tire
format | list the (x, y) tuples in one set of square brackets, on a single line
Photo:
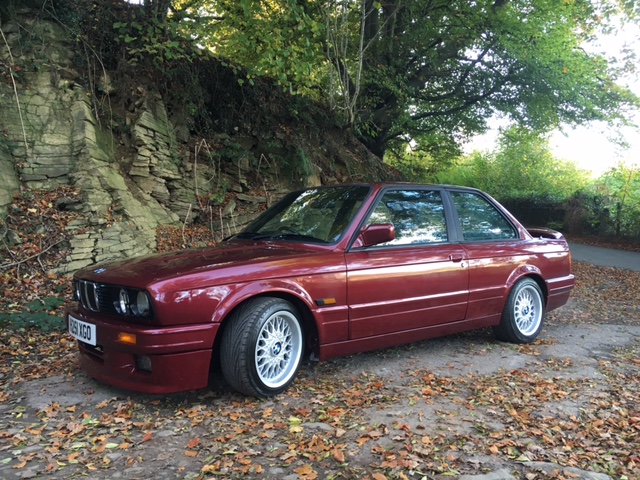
[(262, 347), (523, 314)]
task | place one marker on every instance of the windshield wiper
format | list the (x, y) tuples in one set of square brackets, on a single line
[(279, 236), (248, 235)]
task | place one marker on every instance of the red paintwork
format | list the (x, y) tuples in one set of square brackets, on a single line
[(179, 356), (383, 297)]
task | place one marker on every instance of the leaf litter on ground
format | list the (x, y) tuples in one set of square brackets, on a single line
[(322, 427)]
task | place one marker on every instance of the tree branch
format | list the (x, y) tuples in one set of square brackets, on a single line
[(37, 255)]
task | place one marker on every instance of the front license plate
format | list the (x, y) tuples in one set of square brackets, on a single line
[(83, 331)]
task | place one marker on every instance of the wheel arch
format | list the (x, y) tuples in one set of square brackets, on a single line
[(309, 326), (523, 314), (528, 271)]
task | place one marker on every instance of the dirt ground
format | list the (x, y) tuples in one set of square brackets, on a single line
[(465, 406)]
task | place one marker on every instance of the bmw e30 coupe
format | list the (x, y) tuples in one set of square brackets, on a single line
[(325, 272)]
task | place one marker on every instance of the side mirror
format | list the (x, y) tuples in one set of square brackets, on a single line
[(377, 233)]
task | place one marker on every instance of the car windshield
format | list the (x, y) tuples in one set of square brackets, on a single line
[(319, 215)]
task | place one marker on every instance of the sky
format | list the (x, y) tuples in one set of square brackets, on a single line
[(591, 148)]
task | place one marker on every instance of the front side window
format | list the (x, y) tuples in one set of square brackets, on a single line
[(417, 215), (481, 220)]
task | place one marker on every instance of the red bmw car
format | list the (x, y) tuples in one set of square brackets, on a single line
[(325, 272)]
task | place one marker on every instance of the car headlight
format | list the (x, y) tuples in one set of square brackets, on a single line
[(143, 304), (124, 304), (77, 295), (123, 301)]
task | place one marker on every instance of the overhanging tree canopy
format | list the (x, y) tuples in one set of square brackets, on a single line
[(444, 67), (421, 70)]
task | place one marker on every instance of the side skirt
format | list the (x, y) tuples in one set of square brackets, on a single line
[(349, 347)]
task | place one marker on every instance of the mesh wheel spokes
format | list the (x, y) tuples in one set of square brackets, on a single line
[(528, 310), (278, 349)]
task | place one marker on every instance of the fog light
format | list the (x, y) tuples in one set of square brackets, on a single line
[(128, 338), (143, 363)]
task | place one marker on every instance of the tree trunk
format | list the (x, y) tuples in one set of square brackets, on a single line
[(157, 8)]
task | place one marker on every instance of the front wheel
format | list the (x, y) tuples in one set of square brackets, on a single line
[(262, 347), (523, 314)]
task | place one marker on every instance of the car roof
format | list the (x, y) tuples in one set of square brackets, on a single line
[(381, 185)]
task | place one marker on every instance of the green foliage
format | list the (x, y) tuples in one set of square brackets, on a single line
[(231, 152), (277, 38), (522, 167), (228, 152), (464, 61), (38, 314), (152, 38), (609, 207), (542, 190), (440, 67), (422, 162), (619, 189), (424, 73), (587, 213), (416, 69), (416, 166), (522, 174), (219, 194)]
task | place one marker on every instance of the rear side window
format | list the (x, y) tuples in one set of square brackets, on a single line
[(417, 215), (481, 220)]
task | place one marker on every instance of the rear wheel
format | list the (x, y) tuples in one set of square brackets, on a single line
[(523, 314), (262, 347)]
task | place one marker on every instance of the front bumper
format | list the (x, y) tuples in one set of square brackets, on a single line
[(162, 360)]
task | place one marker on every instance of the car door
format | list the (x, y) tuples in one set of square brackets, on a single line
[(491, 243), (417, 280)]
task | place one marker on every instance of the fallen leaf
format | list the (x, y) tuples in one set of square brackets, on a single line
[(306, 472), (193, 443), (338, 455)]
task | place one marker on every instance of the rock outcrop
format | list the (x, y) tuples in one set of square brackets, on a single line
[(135, 172)]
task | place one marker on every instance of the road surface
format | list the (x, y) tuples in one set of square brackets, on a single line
[(605, 257)]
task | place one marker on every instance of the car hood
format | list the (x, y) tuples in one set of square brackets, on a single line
[(227, 262)]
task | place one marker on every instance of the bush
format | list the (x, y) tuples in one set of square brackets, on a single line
[(608, 208), (538, 211)]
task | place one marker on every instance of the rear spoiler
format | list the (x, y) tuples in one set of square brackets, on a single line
[(541, 232)]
